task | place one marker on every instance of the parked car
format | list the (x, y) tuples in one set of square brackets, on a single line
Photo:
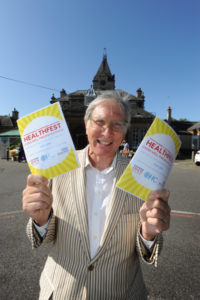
[(197, 158)]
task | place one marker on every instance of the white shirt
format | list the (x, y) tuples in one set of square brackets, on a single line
[(99, 186), (98, 192)]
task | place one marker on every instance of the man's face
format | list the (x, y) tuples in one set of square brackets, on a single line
[(105, 140)]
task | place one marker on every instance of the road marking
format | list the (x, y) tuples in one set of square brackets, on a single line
[(7, 217), (7, 213), (181, 215), (185, 214), (178, 213)]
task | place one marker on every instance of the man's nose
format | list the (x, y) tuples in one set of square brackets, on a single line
[(108, 130)]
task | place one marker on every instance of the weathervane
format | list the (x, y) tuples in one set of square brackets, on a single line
[(104, 53)]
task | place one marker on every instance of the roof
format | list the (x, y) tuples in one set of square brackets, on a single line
[(78, 92), (195, 126), (123, 94), (141, 113), (10, 133), (104, 68), (5, 121), (181, 127)]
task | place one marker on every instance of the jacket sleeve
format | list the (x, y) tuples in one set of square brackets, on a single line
[(149, 257), (50, 235), (34, 236)]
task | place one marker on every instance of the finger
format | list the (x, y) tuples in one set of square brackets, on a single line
[(39, 192), (158, 224), (159, 194), (153, 228), (155, 213), (34, 179), (35, 206), (159, 204), (34, 203), (143, 211), (157, 209), (34, 194)]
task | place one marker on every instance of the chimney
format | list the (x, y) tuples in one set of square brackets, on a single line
[(63, 93), (169, 114), (139, 93), (53, 99), (15, 114)]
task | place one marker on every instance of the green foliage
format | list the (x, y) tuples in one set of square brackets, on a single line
[(183, 119), (14, 146)]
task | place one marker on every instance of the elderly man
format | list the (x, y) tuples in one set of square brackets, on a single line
[(98, 231)]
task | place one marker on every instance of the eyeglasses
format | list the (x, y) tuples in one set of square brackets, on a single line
[(116, 126)]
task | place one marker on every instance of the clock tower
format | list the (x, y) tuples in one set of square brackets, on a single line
[(104, 80)]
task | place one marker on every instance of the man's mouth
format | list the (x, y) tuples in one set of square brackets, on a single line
[(104, 143)]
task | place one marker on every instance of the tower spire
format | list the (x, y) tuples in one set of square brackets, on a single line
[(104, 53), (104, 80)]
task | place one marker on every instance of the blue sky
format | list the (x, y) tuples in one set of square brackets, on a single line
[(151, 44)]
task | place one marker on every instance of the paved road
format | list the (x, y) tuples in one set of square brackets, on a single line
[(178, 273), (20, 267), (177, 276)]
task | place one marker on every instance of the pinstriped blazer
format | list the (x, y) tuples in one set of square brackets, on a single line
[(115, 272)]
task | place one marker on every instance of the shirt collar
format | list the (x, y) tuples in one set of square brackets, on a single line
[(105, 171)]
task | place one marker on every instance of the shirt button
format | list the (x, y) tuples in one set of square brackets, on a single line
[(91, 267), (95, 237), (96, 214), (98, 192)]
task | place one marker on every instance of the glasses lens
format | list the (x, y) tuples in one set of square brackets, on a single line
[(103, 124), (118, 126)]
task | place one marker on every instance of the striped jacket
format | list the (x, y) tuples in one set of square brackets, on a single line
[(114, 273)]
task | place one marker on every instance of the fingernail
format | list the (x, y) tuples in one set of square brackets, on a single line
[(150, 196)]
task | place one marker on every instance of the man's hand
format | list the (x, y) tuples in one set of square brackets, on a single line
[(37, 199), (155, 214)]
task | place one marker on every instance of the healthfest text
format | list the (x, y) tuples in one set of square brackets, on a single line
[(157, 149), (41, 132)]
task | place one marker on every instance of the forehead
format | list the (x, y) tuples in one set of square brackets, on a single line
[(109, 110)]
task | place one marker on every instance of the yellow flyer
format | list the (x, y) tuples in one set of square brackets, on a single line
[(47, 143), (149, 168)]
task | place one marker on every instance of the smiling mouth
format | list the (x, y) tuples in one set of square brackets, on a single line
[(104, 143)]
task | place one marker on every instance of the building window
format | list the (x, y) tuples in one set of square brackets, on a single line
[(138, 134)]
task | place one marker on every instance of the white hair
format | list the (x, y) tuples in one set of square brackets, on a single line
[(110, 97)]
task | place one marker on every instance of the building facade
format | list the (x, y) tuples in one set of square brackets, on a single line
[(194, 130), (8, 132), (181, 127), (9, 122), (74, 105)]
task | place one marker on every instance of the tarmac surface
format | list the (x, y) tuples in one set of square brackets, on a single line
[(177, 275), (178, 272)]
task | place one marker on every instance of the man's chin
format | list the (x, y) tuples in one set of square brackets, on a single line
[(104, 152)]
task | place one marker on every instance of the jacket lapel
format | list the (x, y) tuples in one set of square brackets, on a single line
[(79, 196)]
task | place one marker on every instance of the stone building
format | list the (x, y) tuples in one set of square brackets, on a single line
[(181, 127), (74, 105), (8, 132), (195, 131), (9, 122)]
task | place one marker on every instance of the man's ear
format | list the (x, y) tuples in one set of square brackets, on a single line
[(86, 126)]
